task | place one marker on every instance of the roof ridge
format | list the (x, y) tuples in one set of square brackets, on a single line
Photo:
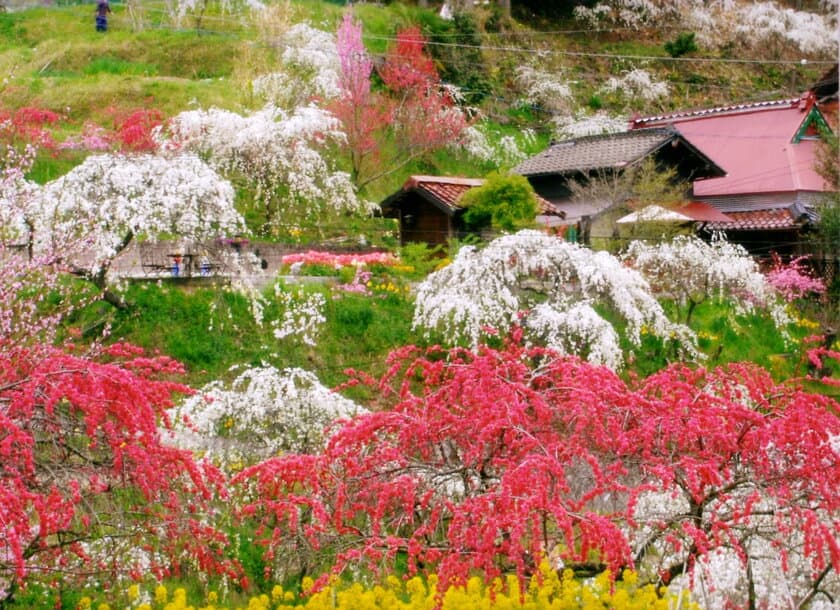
[(718, 110), (630, 133), (415, 180)]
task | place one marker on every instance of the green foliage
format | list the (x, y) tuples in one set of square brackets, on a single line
[(420, 259), (684, 43), (456, 47), (505, 202), (209, 329), (114, 65)]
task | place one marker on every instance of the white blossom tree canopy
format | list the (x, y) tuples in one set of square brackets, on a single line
[(548, 286), (309, 69), (18, 197), (691, 270), (277, 153), (261, 413), (110, 199)]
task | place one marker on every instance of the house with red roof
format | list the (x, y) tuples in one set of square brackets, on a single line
[(768, 150), (429, 211)]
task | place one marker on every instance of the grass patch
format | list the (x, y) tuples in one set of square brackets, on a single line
[(115, 65), (209, 330)]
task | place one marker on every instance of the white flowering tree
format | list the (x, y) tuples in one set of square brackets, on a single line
[(279, 155), (481, 144), (551, 288), (262, 413), (769, 24), (583, 124), (690, 271), (546, 90), (309, 69), (756, 25), (18, 198), (636, 85), (110, 200)]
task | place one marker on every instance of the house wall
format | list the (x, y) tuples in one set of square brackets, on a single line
[(422, 222)]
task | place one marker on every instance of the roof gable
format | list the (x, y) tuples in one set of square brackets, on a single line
[(610, 152)]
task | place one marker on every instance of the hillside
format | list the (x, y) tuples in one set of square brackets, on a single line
[(522, 73)]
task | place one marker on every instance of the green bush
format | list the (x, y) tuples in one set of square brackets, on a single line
[(681, 45), (505, 202)]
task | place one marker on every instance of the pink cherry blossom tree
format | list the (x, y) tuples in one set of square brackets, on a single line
[(415, 114)]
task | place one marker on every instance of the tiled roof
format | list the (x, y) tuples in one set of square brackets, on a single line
[(446, 192), (759, 220), (609, 151)]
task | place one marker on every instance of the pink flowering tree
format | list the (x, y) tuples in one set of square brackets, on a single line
[(794, 280), (414, 116), (88, 486), (363, 113), (491, 460)]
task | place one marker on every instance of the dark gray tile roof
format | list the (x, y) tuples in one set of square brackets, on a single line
[(609, 151)]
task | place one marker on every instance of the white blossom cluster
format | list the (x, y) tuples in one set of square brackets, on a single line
[(277, 152), (263, 412), (109, 199), (547, 90), (636, 84), (722, 22), (578, 329), (763, 21), (310, 69), (583, 124), (487, 291), (689, 269), (720, 579), (634, 14), (302, 315), (18, 198), (506, 150), (179, 9)]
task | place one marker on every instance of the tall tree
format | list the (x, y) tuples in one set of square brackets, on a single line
[(414, 115), (363, 113)]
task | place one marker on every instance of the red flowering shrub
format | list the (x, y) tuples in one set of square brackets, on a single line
[(794, 280), (86, 483), (27, 126), (489, 460), (133, 130)]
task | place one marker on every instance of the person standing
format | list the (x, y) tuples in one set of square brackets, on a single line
[(102, 10)]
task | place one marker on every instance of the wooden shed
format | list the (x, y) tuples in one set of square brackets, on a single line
[(429, 212)]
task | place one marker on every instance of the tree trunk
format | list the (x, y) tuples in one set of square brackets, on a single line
[(505, 6)]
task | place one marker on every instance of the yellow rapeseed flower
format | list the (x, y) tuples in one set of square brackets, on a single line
[(161, 594)]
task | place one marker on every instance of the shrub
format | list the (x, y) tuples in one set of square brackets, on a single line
[(681, 45)]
